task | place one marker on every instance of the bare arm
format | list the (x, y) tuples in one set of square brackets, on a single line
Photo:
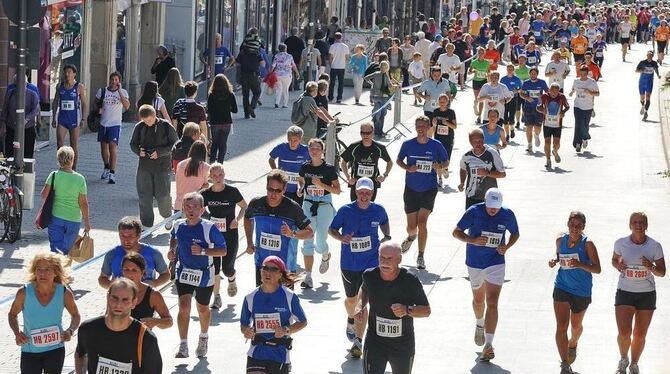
[(84, 103), (272, 162), (164, 319), (75, 318), (162, 279), (83, 205), (104, 280), (13, 317)]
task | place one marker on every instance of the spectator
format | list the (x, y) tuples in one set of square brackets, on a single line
[(70, 205), (162, 64), (395, 60), (188, 110), (191, 174), (358, 62), (250, 61), (323, 48), (321, 99), (172, 90), (284, 67), (263, 69), (150, 96), (220, 104), (8, 123), (306, 60), (422, 46), (311, 112), (251, 43), (407, 56), (332, 29), (382, 86), (339, 54), (112, 102), (152, 141), (295, 47), (384, 42), (183, 145)]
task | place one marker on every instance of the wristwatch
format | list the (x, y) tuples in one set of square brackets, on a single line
[(203, 252), (410, 309), (386, 237), (287, 330)]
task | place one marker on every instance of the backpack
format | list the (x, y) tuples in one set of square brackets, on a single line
[(297, 117)]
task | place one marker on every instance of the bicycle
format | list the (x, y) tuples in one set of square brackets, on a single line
[(11, 204), (340, 146)]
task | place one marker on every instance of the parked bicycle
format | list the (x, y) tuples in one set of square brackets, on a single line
[(11, 204)]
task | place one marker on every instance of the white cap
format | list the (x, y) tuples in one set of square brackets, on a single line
[(365, 184), (493, 198)]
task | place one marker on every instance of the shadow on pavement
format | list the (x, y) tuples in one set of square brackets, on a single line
[(488, 368), (588, 155), (319, 295), (201, 367), (226, 315)]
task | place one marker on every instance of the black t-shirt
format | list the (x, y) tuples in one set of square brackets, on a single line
[(249, 62), (642, 65), (460, 48), (363, 160), (326, 172), (321, 102), (222, 204), (108, 348), (324, 49), (448, 114), (385, 330)]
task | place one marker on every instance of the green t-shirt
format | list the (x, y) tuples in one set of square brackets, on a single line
[(522, 73), (481, 69), (68, 187)]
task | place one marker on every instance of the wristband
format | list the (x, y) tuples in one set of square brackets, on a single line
[(203, 252)]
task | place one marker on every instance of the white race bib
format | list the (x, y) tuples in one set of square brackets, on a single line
[(649, 70), (625, 34), (67, 105), (292, 177), (434, 104), (220, 223), (581, 93), (315, 191), (218, 60), (480, 74), (389, 328), (270, 242), (109, 366), (423, 166), (636, 272), (552, 120), (45, 337), (537, 33), (191, 277), (564, 259), (494, 98), (442, 130), (532, 59), (360, 244), (493, 239), (534, 94), (365, 171), (599, 54), (266, 323)]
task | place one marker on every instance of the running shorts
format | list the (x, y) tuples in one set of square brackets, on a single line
[(477, 85), (552, 132), (640, 300), (352, 281), (646, 85), (494, 274), (267, 366), (577, 303), (660, 45), (202, 294), (418, 200), (109, 134)]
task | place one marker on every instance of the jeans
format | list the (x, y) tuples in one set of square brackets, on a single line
[(62, 234), (358, 87), (320, 223), (250, 81), (336, 75), (378, 119), (281, 90), (219, 142), (582, 120), (150, 185)]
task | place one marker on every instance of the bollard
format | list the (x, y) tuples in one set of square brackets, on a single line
[(397, 104), (330, 143)]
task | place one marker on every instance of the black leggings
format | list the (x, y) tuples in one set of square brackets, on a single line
[(226, 264), (47, 362), (219, 142), (30, 134), (375, 359)]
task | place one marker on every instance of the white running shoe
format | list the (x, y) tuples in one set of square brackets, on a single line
[(217, 303), (537, 140), (585, 144), (623, 365), (325, 264), (307, 282), (642, 109), (112, 178), (201, 351), (556, 156), (183, 351), (232, 288), (479, 335), (633, 369), (105, 173), (529, 149), (406, 244), (420, 263)]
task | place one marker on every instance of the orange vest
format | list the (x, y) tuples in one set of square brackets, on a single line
[(579, 45)]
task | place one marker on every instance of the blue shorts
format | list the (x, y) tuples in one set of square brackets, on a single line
[(109, 134), (69, 126), (646, 85)]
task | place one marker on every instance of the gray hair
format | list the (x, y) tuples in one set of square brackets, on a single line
[(294, 131), (311, 86), (294, 31), (65, 155), (281, 47)]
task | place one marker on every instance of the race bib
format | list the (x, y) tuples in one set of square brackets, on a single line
[(434, 104), (494, 98), (389, 328), (191, 277), (564, 260), (109, 366), (581, 93), (473, 172), (480, 74), (493, 239), (270, 242), (649, 70), (532, 59), (534, 94), (220, 223), (636, 272), (360, 244), (45, 337), (266, 323), (365, 171), (552, 120), (625, 34), (292, 177), (537, 33), (67, 104), (218, 60), (599, 54), (442, 130), (423, 166), (315, 191)]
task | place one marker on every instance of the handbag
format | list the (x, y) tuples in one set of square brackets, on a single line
[(82, 249), (45, 213)]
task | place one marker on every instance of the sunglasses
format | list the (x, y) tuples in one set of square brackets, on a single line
[(366, 132), (316, 148), (275, 190), (270, 269)]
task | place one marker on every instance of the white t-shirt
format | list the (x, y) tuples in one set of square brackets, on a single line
[(416, 70), (339, 52), (446, 63), (423, 46), (559, 68), (637, 278), (584, 100), (497, 93), (625, 28), (113, 107), (590, 34)]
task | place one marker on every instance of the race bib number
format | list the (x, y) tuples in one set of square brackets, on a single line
[(649, 70), (220, 223), (493, 239), (552, 120), (534, 94), (315, 191), (109, 366), (581, 93), (537, 33), (67, 104), (360, 244), (434, 104), (636, 272), (218, 60), (564, 260), (45, 337), (191, 277), (442, 130), (366, 171), (599, 54), (266, 323), (389, 328), (423, 166), (532, 59), (495, 98), (625, 34), (270, 242), (292, 177), (480, 74)]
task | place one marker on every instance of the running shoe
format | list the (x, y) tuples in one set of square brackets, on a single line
[(112, 178), (406, 244), (556, 156), (351, 329), (537, 140), (105, 173), (566, 369), (478, 120), (633, 369), (168, 225), (307, 282), (325, 264), (642, 109), (356, 349), (440, 182), (217, 303), (518, 126), (513, 134), (623, 365), (644, 117), (572, 354), (529, 149), (420, 262), (487, 354), (578, 148), (183, 350), (201, 351), (585, 143), (232, 288), (479, 335), (548, 164)]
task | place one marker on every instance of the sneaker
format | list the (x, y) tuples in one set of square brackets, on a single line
[(585, 143), (307, 282), (406, 244), (258, 103), (507, 138), (112, 178), (325, 264), (633, 369), (201, 351), (440, 182), (105, 173), (183, 351), (623, 365), (572, 354), (548, 164), (566, 369), (529, 149), (420, 262), (537, 140), (518, 126), (487, 354), (217, 303), (351, 330), (479, 335), (578, 148), (556, 156), (232, 288), (252, 113), (644, 117), (168, 224), (276, 105), (513, 134), (339, 101), (478, 120), (356, 349), (642, 110)]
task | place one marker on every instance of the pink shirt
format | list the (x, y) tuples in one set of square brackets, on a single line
[(189, 184)]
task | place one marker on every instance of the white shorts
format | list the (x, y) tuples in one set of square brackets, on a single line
[(493, 274)]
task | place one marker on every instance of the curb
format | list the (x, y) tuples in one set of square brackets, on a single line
[(664, 118)]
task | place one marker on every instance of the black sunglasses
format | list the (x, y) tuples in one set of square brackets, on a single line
[(270, 269), (366, 132), (275, 190)]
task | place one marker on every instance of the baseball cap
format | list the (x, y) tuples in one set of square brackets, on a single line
[(493, 198), (274, 260), (365, 184)]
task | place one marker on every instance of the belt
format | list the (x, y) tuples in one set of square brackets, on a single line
[(274, 342)]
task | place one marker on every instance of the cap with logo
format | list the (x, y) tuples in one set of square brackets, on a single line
[(493, 198), (365, 184)]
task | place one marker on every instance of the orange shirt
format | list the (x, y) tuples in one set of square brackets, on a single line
[(579, 44), (594, 70), (493, 57), (662, 33)]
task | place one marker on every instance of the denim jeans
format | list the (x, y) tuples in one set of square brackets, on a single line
[(320, 224), (336, 75), (582, 120), (378, 119), (62, 234), (219, 142)]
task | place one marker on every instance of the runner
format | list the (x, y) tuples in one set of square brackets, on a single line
[(482, 166), (586, 89), (444, 122), (531, 91), (113, 101), (149, 299), (357, 226), (594, 70), (646, 68), (639, 259), (533, 55), (271, 314), (480, 68), (396, 297), (70, 110), (116, 342), (557, 70), (513, 106), (318, 182), (579, 45), (553, 105), (221, 200), (523, 72), (492, 55), (41, 301), (421, 158), (290, 156), (662, 34), (599, 48), (193, 242), (487, 224), (625, 29), (361, 158), (494, 134), (495, 95), (577, 258), (430, 90)]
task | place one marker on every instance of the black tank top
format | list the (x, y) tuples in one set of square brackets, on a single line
[(143, 309)]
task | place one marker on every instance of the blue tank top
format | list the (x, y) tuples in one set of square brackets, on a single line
[(575, 281), (43, 324), (68, 105), (118, 253), (489, 139)]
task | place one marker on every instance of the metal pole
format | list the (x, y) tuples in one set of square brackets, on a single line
[(312, 15), (21, 90), (211, 32), (359, 5), (397, 103)]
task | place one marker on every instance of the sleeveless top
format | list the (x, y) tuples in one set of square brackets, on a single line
[(68, 104), (143, 309), (43, 324), (572, 280), (489, 139)]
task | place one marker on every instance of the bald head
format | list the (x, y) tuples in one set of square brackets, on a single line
[(390, 249)]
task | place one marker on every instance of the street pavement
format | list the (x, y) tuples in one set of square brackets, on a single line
[(617, 174)]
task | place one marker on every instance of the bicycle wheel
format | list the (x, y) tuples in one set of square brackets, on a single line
[(4, 214), (13, 225)]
